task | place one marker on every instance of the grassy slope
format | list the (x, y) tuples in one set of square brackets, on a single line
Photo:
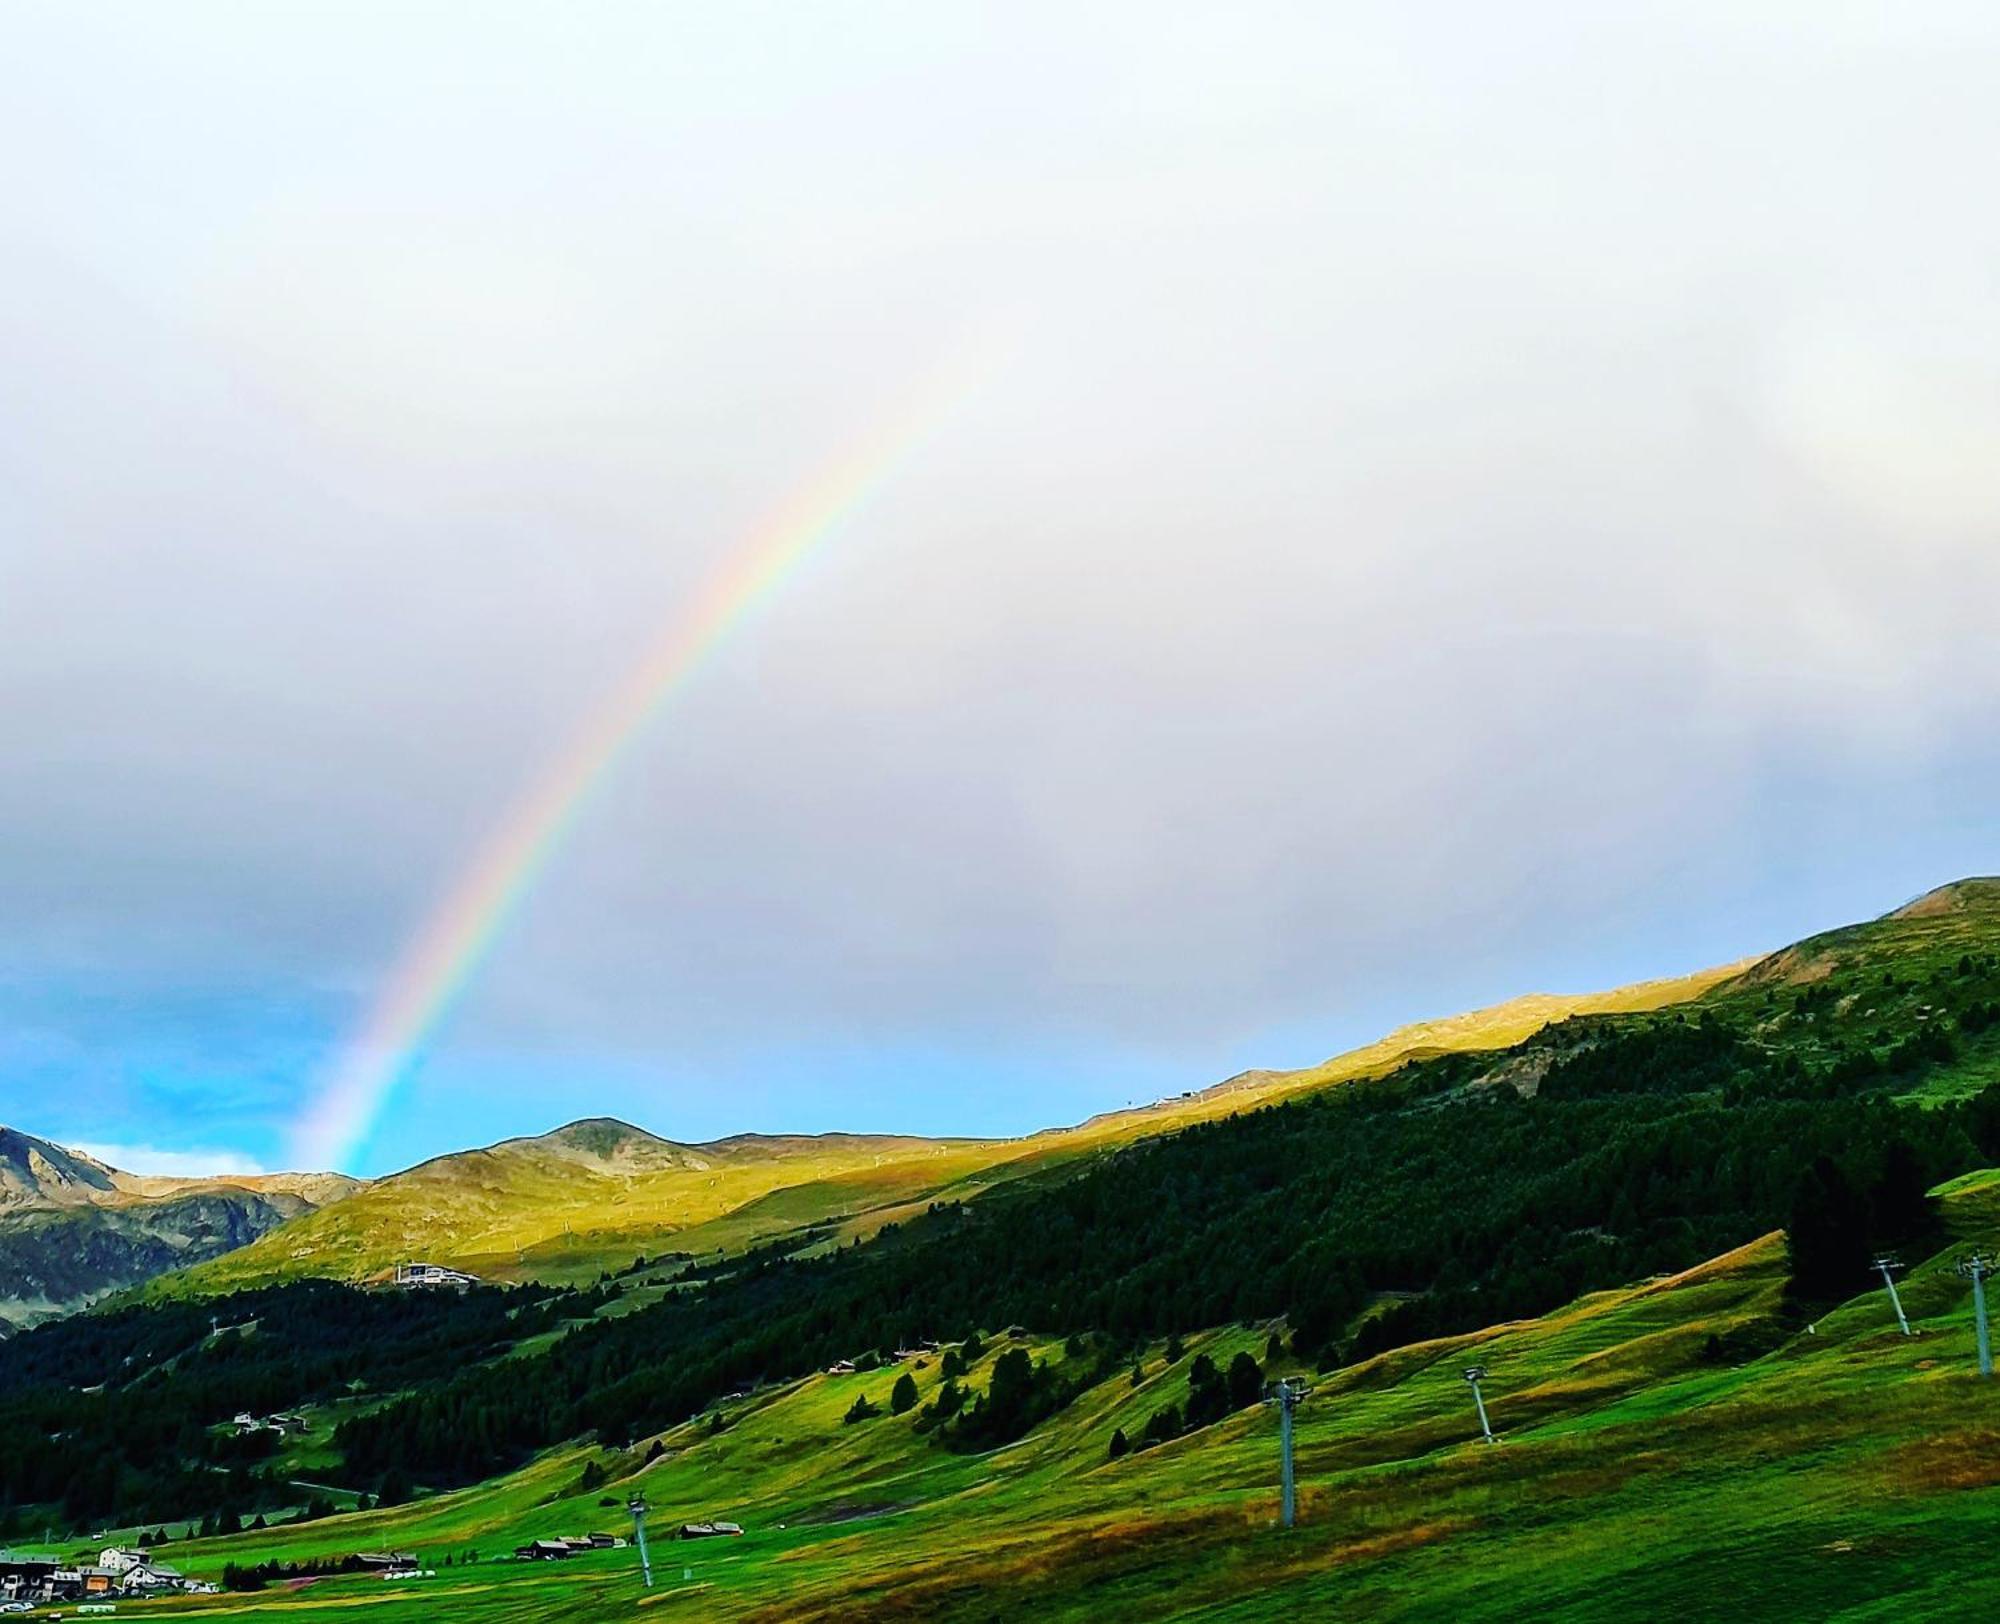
[(1844, 1473), (1916, 943), (1839, 1475), (521, 1210), (538, 1209)]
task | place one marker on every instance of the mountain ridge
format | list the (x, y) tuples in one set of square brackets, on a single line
[(595, 1192), (75, 1230), (590, 1195), (40, 1173)]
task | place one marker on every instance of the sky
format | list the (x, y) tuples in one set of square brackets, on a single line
[(1457, 501)]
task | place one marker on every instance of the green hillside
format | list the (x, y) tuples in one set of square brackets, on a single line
[(1699, 1413), (591, 1195), (1653, 1459), (594, 1195)]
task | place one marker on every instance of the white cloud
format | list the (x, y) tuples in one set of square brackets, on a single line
[(179, 1164), (1469, 478)]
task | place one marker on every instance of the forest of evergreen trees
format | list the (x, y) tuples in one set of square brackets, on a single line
[(110, 1416), (1647, 1149)]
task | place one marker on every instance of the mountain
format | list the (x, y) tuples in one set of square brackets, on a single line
[(73, 1230), (1584, 1209), (35, 1173), (590, 1195), (1586, 1213), (596, 1194)]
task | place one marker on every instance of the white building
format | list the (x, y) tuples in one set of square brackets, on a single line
[(122, 1558), (432, 1274)]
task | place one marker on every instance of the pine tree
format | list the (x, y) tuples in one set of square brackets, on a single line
[(1904, 1211), (1828, 1235), (1246, 1382)]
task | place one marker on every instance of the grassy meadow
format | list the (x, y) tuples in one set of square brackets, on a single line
[(1666, 1447)]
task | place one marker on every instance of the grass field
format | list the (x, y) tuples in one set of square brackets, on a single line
[(1840, 1472)]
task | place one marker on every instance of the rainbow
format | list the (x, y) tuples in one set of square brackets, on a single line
[(442, 959)]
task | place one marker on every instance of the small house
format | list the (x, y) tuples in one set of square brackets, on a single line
[(709, 1530), (431, 1275)]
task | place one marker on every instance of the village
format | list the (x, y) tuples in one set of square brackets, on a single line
[(119, 1571), (132, 1572)]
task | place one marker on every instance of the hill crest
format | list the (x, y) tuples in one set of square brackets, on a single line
[(1961, 896)]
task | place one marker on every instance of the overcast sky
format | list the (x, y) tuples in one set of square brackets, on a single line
[(1472, 499)]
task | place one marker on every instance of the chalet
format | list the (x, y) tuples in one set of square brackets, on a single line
[(433, 1275), (841, 1367), (543, 1550), (247, 1424), (607, 1542), (150, 1577), (709, 1530)]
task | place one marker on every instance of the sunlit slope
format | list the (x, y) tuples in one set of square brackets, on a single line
[(593, 1194), (1499, 1027), (597, 1194), (1880, 979), (1670, 1448)]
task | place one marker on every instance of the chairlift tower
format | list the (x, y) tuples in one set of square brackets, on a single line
[(1978, 1269), (1891, 1265), (638, 1507), (1287, 1394), (1474, 1375)]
